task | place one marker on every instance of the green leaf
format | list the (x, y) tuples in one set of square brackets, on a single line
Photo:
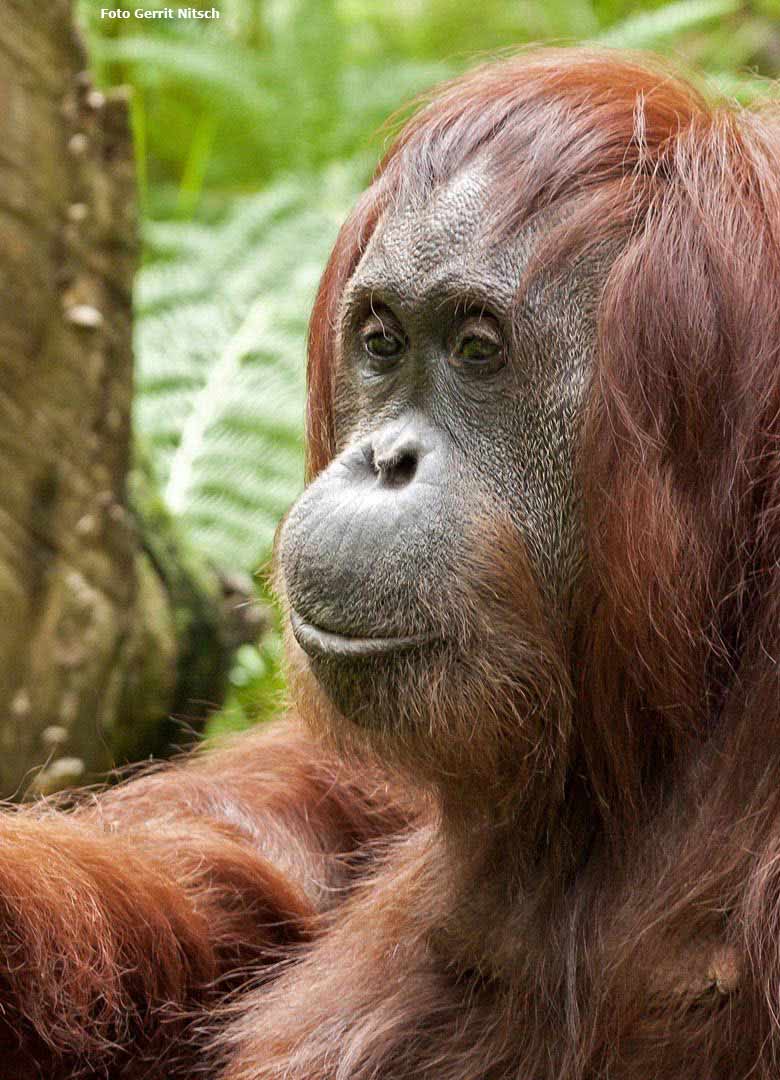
[(650, 28), (220, 341)]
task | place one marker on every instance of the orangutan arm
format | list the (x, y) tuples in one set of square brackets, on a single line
[(142, 906)]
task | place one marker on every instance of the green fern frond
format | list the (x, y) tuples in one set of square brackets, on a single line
[(220, 341)]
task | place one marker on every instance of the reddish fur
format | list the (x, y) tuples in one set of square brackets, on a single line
[(616, 914), (121, 922)]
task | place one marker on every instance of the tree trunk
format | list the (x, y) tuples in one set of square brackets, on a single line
[(96, 625)]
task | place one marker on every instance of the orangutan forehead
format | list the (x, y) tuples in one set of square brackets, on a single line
[(448, 220), (444, 244)]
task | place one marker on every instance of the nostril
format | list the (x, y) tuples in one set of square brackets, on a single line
[(398, 469)]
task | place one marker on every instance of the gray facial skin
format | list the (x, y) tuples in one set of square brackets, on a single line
[(456, 405)]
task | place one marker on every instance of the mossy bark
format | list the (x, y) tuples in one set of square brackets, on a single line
[(100, 635)]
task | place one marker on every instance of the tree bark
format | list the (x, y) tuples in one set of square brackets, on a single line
[(96, 626)]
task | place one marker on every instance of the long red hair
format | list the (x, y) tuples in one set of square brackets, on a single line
[(678, 686)]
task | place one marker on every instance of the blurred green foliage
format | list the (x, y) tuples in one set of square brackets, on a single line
[(253, 134)]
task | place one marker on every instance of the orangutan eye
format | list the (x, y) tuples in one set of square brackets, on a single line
[(478, 347), (475, 348), (383, 341), (383, 345)]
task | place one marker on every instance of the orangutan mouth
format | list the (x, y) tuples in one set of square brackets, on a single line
[(324, 644)]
